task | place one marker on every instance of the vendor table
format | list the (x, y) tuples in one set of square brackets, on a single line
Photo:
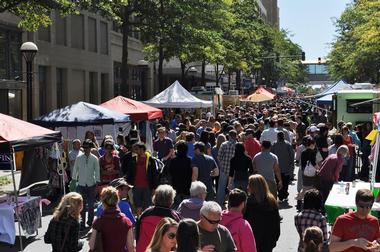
[(338, 201), (28, 213)]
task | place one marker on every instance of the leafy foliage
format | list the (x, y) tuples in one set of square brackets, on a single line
[(36, 13), (355, 52)]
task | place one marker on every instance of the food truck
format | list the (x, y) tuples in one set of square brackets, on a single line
[(355, 105)]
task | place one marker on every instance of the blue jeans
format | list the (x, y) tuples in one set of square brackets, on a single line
[(88, 195), (222, 184)]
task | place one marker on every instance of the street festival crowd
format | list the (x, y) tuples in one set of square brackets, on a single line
[(214, 182)]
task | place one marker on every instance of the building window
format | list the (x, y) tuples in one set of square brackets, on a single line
[(10, 56), (93, 86), (60, 29), (103, 38), (61, 84), (104, 86), (44, 33), (92, 39), (42, 78), (77, 31), (117, 78), (11, 102)]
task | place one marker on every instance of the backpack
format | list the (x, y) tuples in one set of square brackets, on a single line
[(164, 176), (309, 170)]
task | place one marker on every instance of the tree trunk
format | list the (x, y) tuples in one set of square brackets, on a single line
[(183, 75), (203, 78), (216, 74), (125, 88), (229, 80), (160, 67), (238, 80)]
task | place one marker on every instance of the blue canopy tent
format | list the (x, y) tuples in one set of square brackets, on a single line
[(325, 98), (81, 114), (75, 119)]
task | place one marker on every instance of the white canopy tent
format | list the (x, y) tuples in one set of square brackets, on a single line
[(176, 96)]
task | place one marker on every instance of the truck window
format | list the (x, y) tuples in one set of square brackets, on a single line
[(362, 108)]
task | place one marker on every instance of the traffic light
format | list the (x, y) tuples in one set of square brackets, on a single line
[(319, 60), (303, 56)]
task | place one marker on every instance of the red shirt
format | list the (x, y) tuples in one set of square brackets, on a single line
[(252, 147), (348, 226), (114, 227), (331, 168), (109, 169), (141, 180)]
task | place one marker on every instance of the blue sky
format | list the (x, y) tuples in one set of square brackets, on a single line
[(311, 23)]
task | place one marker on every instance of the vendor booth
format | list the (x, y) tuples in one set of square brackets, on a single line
[(18, 135), (137, 111), (260, 95), (176, 96), (325, 97), (342, 196), (74, 120)]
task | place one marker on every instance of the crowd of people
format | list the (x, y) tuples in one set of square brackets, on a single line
[(215, 183)]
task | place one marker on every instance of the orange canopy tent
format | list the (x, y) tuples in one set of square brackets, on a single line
[(137, 111), (260, 95)]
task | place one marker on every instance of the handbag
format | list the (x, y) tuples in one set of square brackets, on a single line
[(73, 185), (309, 170)]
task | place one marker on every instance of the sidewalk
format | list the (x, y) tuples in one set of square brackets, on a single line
[(9, 187)]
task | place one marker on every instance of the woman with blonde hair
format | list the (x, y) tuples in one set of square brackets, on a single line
[(262, 213), (63, 230), (164, 237), (313, 239), (114, 227)]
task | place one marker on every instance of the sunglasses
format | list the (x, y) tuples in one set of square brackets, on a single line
[(367, 206), (171, 236), (211, 221)]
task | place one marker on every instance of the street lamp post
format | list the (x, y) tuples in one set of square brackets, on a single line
[(143, 65), (29, 50), (192, 70)]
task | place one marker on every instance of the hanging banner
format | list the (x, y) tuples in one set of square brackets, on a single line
[(5, 161)]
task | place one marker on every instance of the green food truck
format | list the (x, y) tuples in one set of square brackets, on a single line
[(346, 108)]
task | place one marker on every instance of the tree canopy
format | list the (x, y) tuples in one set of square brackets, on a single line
[(354, 55), (36, 13), (227, 33)]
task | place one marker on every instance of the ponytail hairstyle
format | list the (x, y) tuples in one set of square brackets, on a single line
[(312, 239)]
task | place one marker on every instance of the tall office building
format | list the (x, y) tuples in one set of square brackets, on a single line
[(79, 59)]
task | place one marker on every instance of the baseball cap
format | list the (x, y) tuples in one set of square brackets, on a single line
[(313, 129), (120, 182)]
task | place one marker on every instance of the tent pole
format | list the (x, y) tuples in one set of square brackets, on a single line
[(375, 160), (16, 196)]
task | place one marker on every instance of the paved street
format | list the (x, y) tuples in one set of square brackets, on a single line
[(288, 239)]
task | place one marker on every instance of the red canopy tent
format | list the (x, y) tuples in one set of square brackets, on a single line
[(137, 111), (260, 95), (18, 134)]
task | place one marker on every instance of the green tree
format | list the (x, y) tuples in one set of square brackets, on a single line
[(354, 54), (36, 13)]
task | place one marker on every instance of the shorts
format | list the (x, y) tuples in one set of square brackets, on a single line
[(142, 197)]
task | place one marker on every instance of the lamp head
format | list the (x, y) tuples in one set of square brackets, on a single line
[(29, 50), (193, 70), (142, 63)]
